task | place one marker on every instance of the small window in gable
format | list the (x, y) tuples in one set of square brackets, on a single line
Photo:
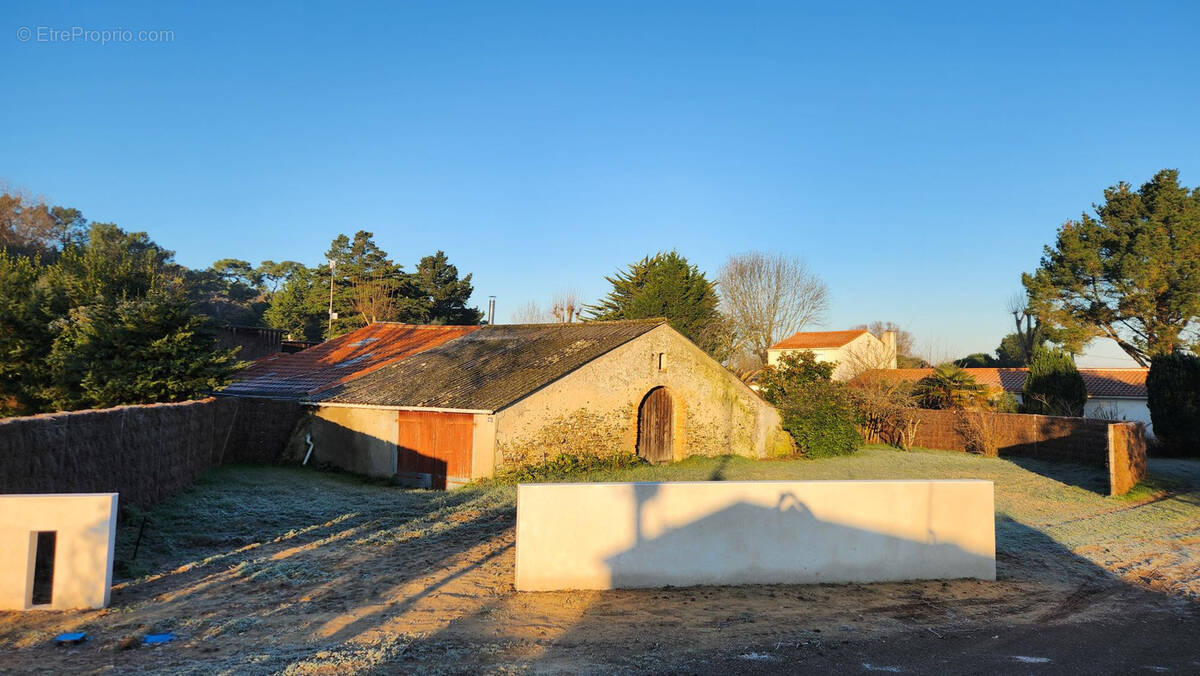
[(661, 360)]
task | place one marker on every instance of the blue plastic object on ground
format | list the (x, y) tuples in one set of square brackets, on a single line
[(70, 638), (155, 639)]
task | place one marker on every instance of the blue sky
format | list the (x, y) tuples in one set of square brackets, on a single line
[(917, 156)]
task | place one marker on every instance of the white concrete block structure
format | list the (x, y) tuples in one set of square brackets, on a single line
[(618, 535), (56, 550)]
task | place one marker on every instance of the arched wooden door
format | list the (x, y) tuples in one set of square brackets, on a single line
[(655, 427)]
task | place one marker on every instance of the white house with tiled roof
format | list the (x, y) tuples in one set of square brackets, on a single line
[(853, 351)]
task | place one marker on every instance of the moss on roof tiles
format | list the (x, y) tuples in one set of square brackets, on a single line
[(488, 369)]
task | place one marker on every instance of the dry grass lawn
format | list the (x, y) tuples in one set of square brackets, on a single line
[(289, 570)]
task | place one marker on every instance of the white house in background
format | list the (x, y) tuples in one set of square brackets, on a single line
[(853, 351)]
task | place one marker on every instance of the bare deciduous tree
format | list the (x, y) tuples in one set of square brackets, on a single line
[(530, 313), (768, 296), (25, 219), (565, 306), (374, 300), (564, 309), (1029, 327)]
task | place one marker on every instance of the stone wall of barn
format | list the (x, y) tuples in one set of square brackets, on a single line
[(594, 410)]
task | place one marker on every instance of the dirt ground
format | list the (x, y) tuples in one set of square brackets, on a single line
[(282, 570)]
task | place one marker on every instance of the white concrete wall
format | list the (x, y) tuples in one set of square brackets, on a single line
[(615, 535), (86, 526), (1134, 410)]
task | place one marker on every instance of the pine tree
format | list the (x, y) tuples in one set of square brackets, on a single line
[(152, 348), (666, 285), (442, 296)]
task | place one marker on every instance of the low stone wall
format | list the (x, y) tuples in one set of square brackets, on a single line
[(144, 453), (616, 535), (1120, 447)]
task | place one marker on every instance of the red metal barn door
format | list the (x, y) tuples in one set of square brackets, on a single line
[(656, 427), (437, 445)]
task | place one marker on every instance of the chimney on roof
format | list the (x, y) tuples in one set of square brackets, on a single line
[(889, 345), (491, 310)]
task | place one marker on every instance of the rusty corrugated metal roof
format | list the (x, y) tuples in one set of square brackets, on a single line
[(293, 376), (1121, 382), (488, 369)]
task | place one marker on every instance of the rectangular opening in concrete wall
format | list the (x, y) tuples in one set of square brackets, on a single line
[(45, 542)]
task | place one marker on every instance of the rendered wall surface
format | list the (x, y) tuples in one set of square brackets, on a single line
[(85, 526), (361, 440), (616, 535), (1133, 410), (594, 409)]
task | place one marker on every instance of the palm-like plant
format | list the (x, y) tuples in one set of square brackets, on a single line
[(949, 387)]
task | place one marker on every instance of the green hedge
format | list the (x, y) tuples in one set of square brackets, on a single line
[(1173, 388)]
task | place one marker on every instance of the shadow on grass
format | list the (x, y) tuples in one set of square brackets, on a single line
[(1092, 479)]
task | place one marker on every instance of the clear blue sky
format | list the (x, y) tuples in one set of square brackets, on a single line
[(917, 156)]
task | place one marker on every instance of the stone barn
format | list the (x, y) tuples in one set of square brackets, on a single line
[(507, 395)]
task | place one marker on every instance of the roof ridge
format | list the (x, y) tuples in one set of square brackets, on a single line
[(588, 322), (415, 326)]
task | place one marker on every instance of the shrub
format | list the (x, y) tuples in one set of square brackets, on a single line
[(817, 413), (821, 419), (1173, 389), (978, 429), (949, 387), (566, 465), (886, 409), (793, 372), (1053, 386)]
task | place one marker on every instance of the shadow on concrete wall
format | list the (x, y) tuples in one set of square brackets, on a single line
[(788, 543)]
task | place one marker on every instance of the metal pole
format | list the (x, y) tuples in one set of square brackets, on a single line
[(329, 331)]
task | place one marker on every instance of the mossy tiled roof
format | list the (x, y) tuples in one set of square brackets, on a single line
[(487, 369)]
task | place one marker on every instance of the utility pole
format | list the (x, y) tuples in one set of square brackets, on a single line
[(329, 331)]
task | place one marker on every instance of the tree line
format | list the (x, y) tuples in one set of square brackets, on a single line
[(755, 300), (94, 316)]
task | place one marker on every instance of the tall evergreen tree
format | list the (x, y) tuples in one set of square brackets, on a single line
[(1173, 390), (151, 348), (1131, 273), (108, 322), (356, 262), (666, 285), (1053, 386), (299, 306), (442, 296)]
